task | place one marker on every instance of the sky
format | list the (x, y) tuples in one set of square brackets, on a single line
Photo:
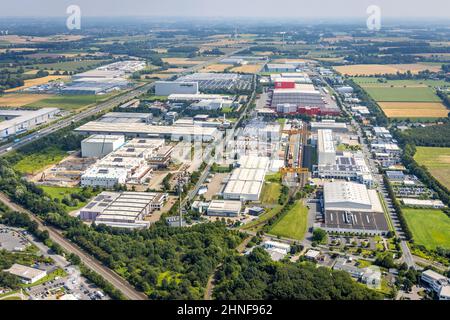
[(229, 8)]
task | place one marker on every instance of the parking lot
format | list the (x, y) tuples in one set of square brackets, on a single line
[(220, 81), (12, 240), (341, 241), (73, 285), (215, 185)]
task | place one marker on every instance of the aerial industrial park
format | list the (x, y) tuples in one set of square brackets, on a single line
[(164, 161)]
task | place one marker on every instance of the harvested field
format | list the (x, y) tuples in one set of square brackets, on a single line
[(15, 39), (224, 42), (161, 76), (173, 70), (216, 67), (249, 68), (414, 109), (37, 81), (18, 99), (329, 59), (263, 53), (377, 69), (181, 61)]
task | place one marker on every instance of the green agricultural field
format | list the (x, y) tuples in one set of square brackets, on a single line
[(69, 102), (374, 82), (33, 163), (227, 109), (430, 228), (437, 161), (402, 94), (71, 65), (270, 193), (293, 224)]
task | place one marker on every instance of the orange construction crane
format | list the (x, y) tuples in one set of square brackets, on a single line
[(295, 131), (290, 168), (293, 170)]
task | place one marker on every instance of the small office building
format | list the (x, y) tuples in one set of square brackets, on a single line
[(224, 208)]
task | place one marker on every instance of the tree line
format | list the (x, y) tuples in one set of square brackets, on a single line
[(257, 277)]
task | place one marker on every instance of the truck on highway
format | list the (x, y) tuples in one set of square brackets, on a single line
[(8, 149)]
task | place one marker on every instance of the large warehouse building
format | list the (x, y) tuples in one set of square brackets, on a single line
[(132, 163), (124, 210), (26, 274), (100, 145), (219, 81), (301, 95), (351, 207), (98, 74), (339, 165), (143, 130), (329, 124), (20, 121), (281, 67), (325, 147), (87, 86), (127, 117), (295, 77), (224, 208), (104, 177), (166, 88), (246, 181)]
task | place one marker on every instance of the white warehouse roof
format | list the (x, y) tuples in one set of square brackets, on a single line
[(248, 174), (325, 141), (254, 162), (328, 125), (225, 207), (104, 138), (25, 272), (21, 116), (245, 190), (350, 196), (142, 128)]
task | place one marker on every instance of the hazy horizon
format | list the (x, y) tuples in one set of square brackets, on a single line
[(289, 9)]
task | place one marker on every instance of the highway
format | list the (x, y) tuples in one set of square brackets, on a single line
[(90, 262)]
